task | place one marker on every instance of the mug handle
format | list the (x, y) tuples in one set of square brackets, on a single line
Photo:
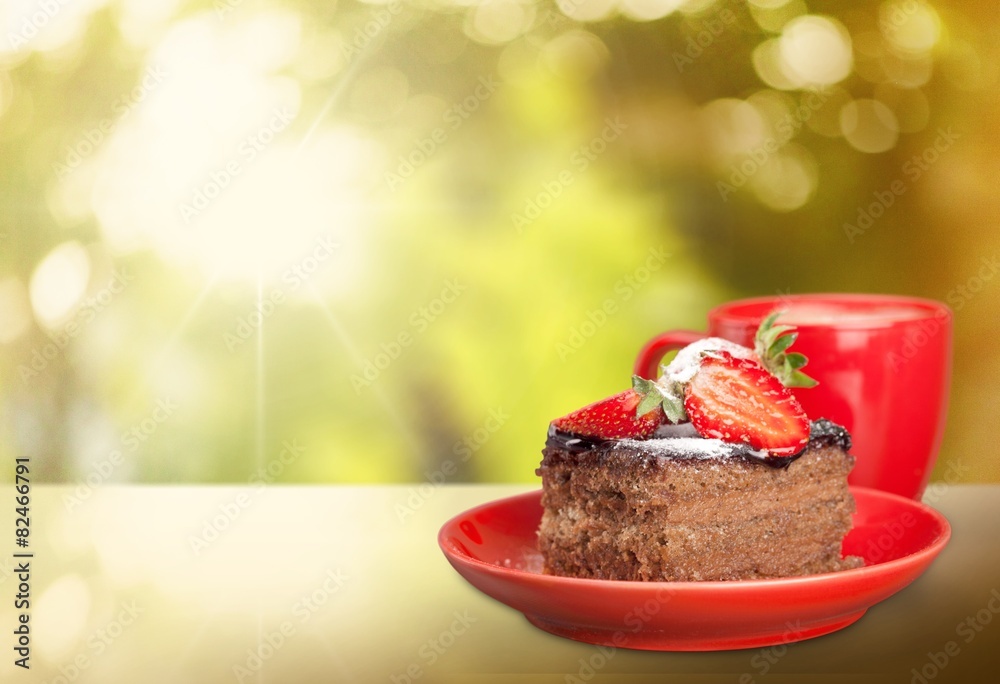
[(648, 361)]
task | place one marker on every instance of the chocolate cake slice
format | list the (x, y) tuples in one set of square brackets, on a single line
[(683, 507)]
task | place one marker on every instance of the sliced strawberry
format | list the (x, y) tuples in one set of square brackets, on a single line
[(612, 418), (738, 400)]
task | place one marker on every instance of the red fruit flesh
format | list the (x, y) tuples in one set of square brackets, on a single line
[(738, 400), (612, 418)]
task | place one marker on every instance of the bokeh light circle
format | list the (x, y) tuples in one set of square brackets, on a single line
[(869, 126), (59, 282), (815, 50)]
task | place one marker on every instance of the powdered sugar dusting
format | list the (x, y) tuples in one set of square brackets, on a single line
[(676, 430), (685, 364), (686, 447)]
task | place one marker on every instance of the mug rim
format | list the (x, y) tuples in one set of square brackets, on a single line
[(728, 312)]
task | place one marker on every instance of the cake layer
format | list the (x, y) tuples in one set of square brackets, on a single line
[(652, 511), (687, 492)]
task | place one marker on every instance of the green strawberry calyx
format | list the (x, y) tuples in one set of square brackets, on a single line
[(771, 344), (655, 395)]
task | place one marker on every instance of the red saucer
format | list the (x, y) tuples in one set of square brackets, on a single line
[(494, 547)]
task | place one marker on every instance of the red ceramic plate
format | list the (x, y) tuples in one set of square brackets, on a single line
[(494, 547)]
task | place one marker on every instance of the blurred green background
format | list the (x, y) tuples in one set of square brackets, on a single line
[(370, 242)]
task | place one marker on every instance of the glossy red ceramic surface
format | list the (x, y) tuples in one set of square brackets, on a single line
[(494, 547), (886, 379)]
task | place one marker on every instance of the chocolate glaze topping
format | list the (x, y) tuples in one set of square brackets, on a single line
[(825, 432), (822, 433)]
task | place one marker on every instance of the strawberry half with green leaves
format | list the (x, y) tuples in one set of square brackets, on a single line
[(616, 417), (738, 400)]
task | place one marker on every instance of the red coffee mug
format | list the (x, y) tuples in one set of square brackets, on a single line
[(884, 369)]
